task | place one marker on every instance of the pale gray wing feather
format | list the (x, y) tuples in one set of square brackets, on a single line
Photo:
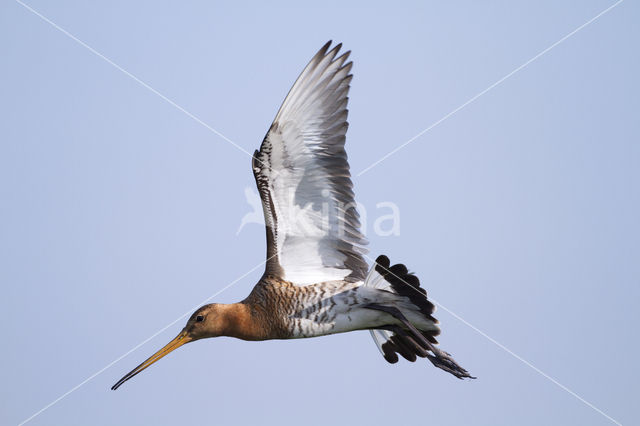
[(302, 173)]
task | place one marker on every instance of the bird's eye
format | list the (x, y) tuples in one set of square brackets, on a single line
[(199, 318)]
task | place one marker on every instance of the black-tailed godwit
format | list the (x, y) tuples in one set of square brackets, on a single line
[(316, 280)]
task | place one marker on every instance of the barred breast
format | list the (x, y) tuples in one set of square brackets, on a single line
[(287, 311)]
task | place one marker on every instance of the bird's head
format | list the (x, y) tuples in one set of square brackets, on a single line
[(208, 321)]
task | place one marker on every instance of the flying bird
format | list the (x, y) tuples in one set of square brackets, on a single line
[(316, 279)]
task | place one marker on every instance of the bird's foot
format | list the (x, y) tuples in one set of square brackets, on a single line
[(444, 361)]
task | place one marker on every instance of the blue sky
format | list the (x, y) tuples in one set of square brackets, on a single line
[(519, 212)]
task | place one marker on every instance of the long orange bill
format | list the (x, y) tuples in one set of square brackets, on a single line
[(180, 340)]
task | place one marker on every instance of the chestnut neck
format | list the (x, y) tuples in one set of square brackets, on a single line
[(237, 321)]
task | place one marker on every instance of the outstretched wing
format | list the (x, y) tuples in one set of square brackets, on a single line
[(302, 173)]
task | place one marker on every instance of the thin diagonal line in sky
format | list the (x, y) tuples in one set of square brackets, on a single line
[(472, 99), (524, 361), (127, 73), (195, 118), (503, 347), (115, 361)]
